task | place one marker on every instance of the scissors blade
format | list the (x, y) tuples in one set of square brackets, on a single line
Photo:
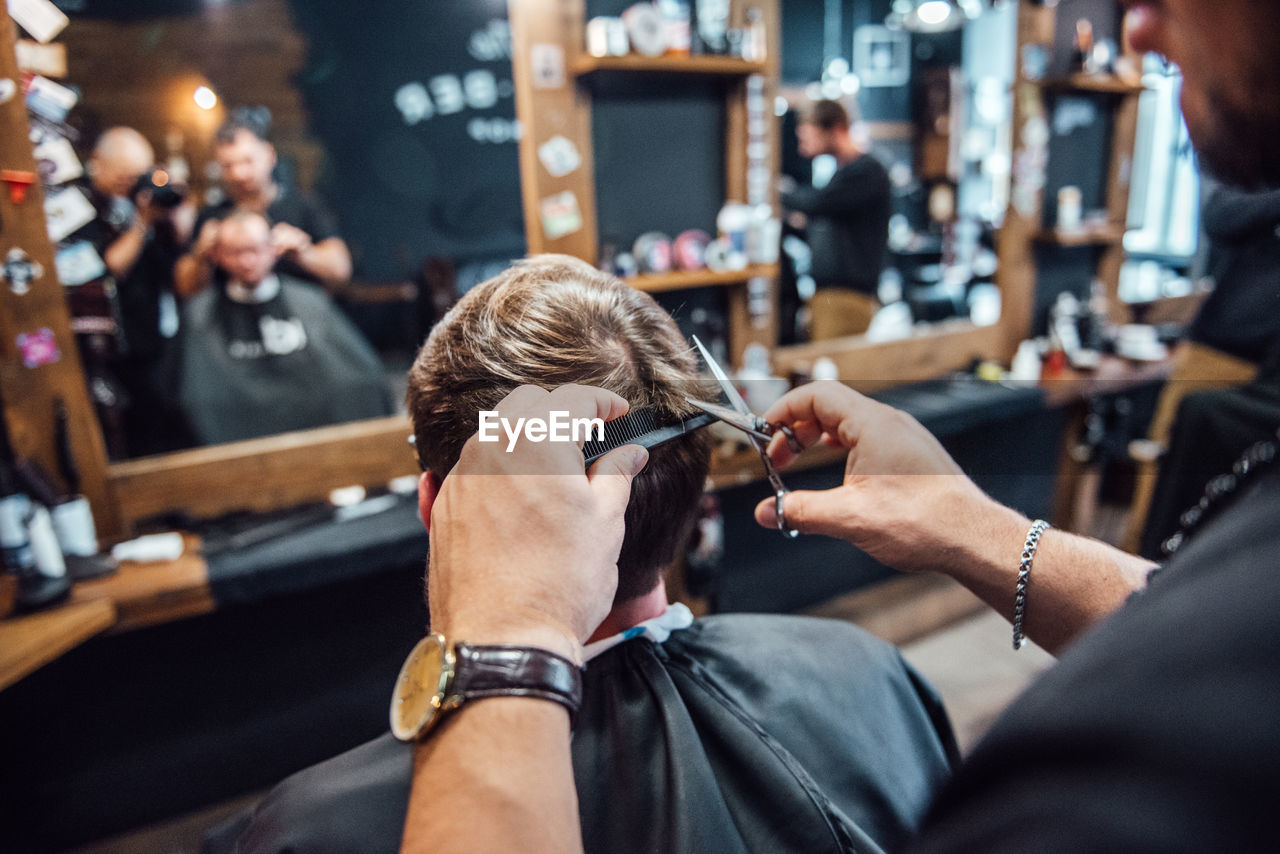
[(746, 423), (721, 377)]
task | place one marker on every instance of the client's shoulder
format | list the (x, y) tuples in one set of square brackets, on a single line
[(737, 643)]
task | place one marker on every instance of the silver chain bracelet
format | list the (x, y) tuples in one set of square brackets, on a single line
[(1024, 575)]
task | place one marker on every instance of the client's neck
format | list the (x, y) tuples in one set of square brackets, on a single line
[(632, 612)]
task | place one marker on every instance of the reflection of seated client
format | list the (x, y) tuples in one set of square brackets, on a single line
[(728, 733), (846, 222), (264, 353)]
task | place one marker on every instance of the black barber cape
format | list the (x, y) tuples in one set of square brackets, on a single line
[(290, 363), (742, 733)]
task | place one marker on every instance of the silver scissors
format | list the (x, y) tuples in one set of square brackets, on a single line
[(758, 431)]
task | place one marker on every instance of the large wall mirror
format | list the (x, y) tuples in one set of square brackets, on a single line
[(398, 119), (402, 119)]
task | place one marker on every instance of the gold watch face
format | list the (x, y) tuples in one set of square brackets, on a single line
[(420, 688)]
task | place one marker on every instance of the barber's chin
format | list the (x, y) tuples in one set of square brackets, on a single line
[(1234, 162)]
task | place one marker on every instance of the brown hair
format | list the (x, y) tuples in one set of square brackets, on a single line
[(255, 120), (827, 115), (551, 320)]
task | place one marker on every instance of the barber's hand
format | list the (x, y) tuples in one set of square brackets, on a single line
[(183, 218), (206, 240), (524, 545), (144, 211), (289, 239), (904, 500)]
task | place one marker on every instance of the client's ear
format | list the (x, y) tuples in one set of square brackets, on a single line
[(428, 489)]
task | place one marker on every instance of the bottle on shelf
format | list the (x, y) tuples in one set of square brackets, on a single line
[(30, 548), (1082, 46), (754, 46), (15, 516), (676, 26), (71, 514)]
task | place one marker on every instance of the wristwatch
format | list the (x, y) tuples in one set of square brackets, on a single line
[(438, 676)]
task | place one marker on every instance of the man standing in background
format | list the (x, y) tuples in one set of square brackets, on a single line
[(118, 273), (846, 223)]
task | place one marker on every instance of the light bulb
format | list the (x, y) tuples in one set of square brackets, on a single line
[(205, 98)]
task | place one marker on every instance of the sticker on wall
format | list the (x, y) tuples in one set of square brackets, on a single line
[(548, 65), (560, 215), (65, 211), (38, 348), (79, 263), (1035, 61), (39, 17), (7, 89), (560, 156), (1072, 114), (20, 271), (47, 59), (50, 100), (57, 162)]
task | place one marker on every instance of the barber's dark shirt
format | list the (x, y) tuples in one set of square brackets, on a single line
[(1242, 314), (291, 206), (1159, 730), (848, 227)]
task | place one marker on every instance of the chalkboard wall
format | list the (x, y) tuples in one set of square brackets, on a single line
[(413, 103)]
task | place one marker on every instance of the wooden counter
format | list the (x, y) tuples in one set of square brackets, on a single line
[(138, 594), (145, 594), (28, 643)]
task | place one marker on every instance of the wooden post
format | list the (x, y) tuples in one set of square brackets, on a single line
[(546, 36), (29, 392)]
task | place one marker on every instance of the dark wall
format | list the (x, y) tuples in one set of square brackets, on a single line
[(406, 99)]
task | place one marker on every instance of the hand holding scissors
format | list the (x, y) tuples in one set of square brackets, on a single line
[(758, 430)]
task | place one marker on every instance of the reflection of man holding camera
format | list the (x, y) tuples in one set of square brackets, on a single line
[(118, 269)]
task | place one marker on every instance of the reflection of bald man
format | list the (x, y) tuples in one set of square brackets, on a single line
[(266, 353), (126, 256)]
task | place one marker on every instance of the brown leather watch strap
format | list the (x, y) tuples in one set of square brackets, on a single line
[(516, 671)]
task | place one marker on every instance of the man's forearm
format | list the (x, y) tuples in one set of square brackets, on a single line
[(1074, 580), (329, 261), (192, 274), (506, 759), (121, 256)]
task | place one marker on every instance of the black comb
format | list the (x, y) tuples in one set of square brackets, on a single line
[(648, 427)]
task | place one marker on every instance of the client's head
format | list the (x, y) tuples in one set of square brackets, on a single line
[(244, 249), (551, 320)]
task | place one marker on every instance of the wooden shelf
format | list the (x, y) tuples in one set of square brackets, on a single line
[(1107, 234), (656, 282), (28, 643), (147, 594), (714, 65), (1106, 83)]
